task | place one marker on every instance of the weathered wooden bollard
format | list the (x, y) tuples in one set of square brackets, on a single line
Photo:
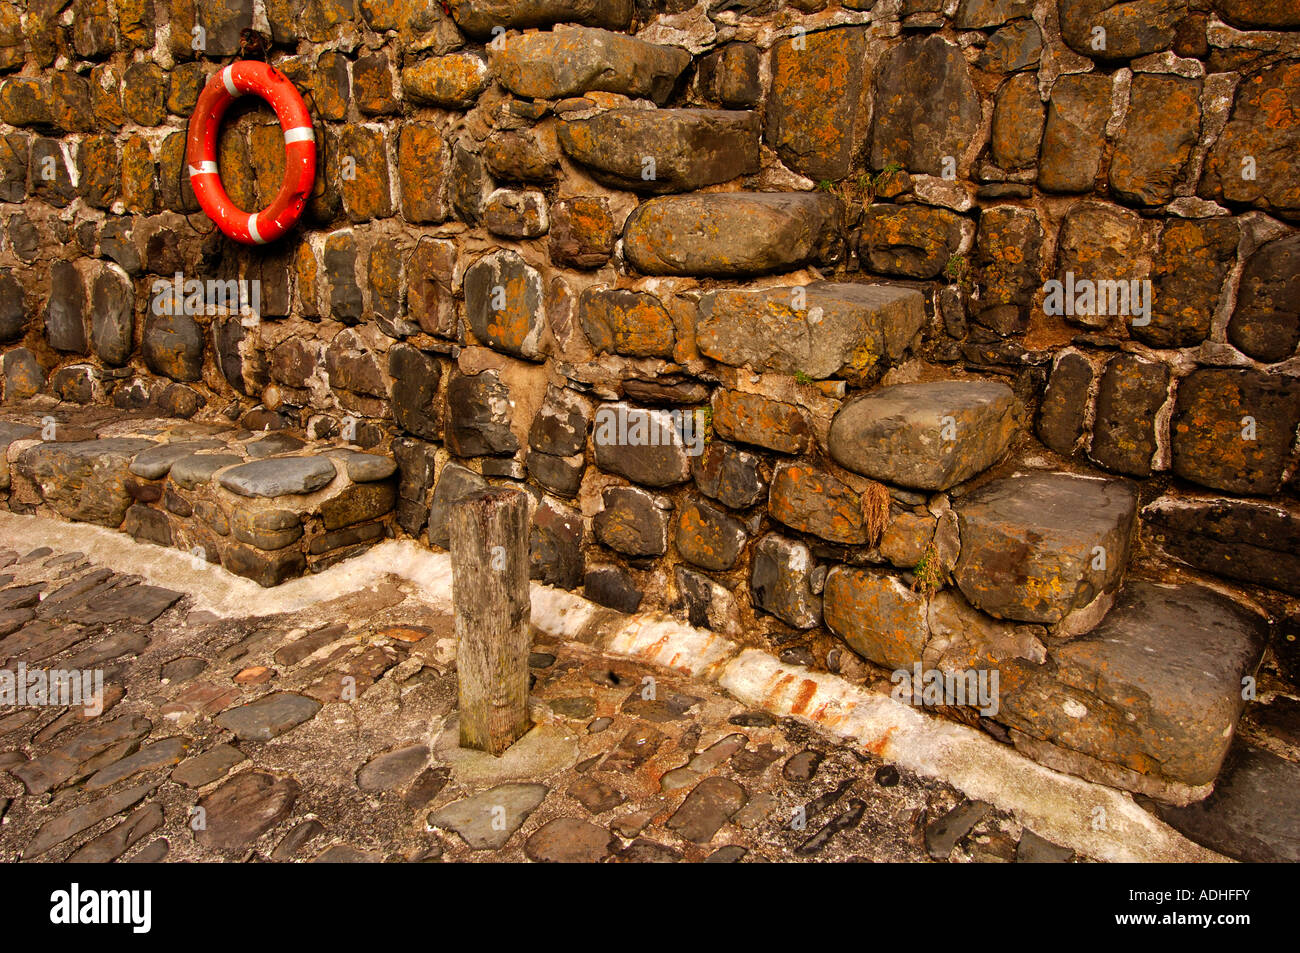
[(489, 562)]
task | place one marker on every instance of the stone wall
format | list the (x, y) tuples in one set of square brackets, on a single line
[(758, 298)]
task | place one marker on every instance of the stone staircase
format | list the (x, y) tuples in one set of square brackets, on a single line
[(265, 505), (1129, 682)]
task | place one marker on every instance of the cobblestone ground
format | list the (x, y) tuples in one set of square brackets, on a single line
[(330, 734)]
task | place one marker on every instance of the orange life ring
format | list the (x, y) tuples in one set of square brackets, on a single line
[(260, 79)]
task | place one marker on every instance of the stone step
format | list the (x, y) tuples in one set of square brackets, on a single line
[(575, 60), (1045, 547), (825, 329), (732, 234), (267, 506), (1253, 814), (664, 150), (925, 436), (1148, 700)]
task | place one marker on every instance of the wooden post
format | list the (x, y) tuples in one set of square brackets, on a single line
[(489, 563)]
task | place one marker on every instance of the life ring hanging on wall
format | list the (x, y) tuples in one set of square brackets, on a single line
[(260, 79)]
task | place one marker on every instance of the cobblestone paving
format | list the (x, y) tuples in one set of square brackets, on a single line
[(330, 735)]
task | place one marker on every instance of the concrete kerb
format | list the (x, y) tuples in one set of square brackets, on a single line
[(1095, 821)]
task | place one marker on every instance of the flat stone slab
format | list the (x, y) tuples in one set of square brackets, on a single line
[(114, 842), (691, 148), (66, 826), (279, 476), (824, 329), (729, 235), (154, 463), (707, 808), (569, 840), (1152, 695), (84, 480), (367, 467), (473, 818), (269, 716), (160, 754), (942, 835), (140, 604), (197, 469), (1253, 814), (393, 769), (928, 436), (244, 808), (481, 18), (207, 767), (1036, 547), (9, 432)]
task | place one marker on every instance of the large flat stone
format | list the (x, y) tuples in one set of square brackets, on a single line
[(154, 463), (877, 615), (926, 109), (65, 826), (570, 62), (570, 840), (911, 241), (632, 521), (268, 717), (455, 483), (1037, 547), (1256, 128), (393, 769), (825, 329), (505, 304), (709, 806), (761, 421), (198, 469), (473, 818), (1266, 322), (279, 476), (1133, 28), (664, 150), (731, 234), (1149, 699), (1253, 814), (84, 480), (1161, 129), (928, 436), (244, 808)]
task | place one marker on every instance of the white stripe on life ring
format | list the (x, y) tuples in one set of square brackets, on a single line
[(252, 229), (229, 81), (299, 134), (203, 168)]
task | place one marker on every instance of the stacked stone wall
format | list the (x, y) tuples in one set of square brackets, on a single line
[(768, 304)]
